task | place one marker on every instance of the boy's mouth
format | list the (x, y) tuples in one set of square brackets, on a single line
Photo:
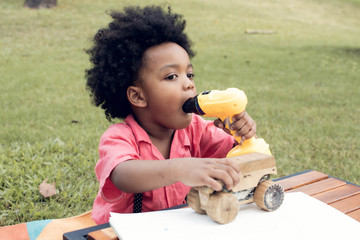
[(188, 102), (192, 106), (187, 106)]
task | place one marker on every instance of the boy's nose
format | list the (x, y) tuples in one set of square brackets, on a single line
[(189, 84)]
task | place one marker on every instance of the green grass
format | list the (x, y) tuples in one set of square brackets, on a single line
[(302, 84)]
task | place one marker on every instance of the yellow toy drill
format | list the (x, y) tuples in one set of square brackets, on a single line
[(223, 105)]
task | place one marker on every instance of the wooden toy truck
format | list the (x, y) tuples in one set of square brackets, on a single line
[(254, 186)]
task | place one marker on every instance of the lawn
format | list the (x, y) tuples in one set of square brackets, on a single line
[(302, 83)]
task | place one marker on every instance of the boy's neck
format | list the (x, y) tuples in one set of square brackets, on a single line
[(160, 137)]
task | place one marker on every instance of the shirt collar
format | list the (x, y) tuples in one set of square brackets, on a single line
[(139, 133), (180, 136)]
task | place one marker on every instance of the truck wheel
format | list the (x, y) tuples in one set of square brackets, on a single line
[(269, 195), (194, 201), (222, 207)]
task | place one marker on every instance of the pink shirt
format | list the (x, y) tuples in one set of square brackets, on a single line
[(127, 141)]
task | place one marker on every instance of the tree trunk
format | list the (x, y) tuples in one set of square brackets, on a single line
[(40, 3)]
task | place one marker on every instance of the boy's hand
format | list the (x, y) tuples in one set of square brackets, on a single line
[(243, 124), (206, 171)]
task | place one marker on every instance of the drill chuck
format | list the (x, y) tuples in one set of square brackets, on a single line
[(192, 106)]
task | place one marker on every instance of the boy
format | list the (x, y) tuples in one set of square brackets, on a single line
[(142, 72)]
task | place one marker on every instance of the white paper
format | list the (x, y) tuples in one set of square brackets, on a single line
[(299, 217)]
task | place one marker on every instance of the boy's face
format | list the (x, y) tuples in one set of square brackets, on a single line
[(167, 82)]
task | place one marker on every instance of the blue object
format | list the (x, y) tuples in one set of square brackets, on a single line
[(34, 228)]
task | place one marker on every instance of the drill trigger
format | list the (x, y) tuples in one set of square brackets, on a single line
[(227, 123)]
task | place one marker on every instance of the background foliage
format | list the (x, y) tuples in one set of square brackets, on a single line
[(302, 85)]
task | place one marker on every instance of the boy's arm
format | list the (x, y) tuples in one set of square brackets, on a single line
[(135, 176)]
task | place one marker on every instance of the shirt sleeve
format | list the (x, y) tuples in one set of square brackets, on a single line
[(116, 146), (209, 141)]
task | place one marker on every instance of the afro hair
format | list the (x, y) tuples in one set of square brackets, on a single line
[(117, 53)]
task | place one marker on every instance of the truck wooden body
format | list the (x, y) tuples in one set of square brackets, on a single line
[(254, 186)]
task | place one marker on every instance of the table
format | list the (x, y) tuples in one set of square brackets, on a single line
[(342, 195), (337, 193)]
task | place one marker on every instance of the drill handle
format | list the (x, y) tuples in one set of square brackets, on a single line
[(227, 123), (248, 145)]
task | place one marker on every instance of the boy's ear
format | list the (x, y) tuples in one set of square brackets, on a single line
[(136, 96)]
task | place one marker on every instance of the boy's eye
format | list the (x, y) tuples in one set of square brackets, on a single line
[(171, 77), (190, 75)]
